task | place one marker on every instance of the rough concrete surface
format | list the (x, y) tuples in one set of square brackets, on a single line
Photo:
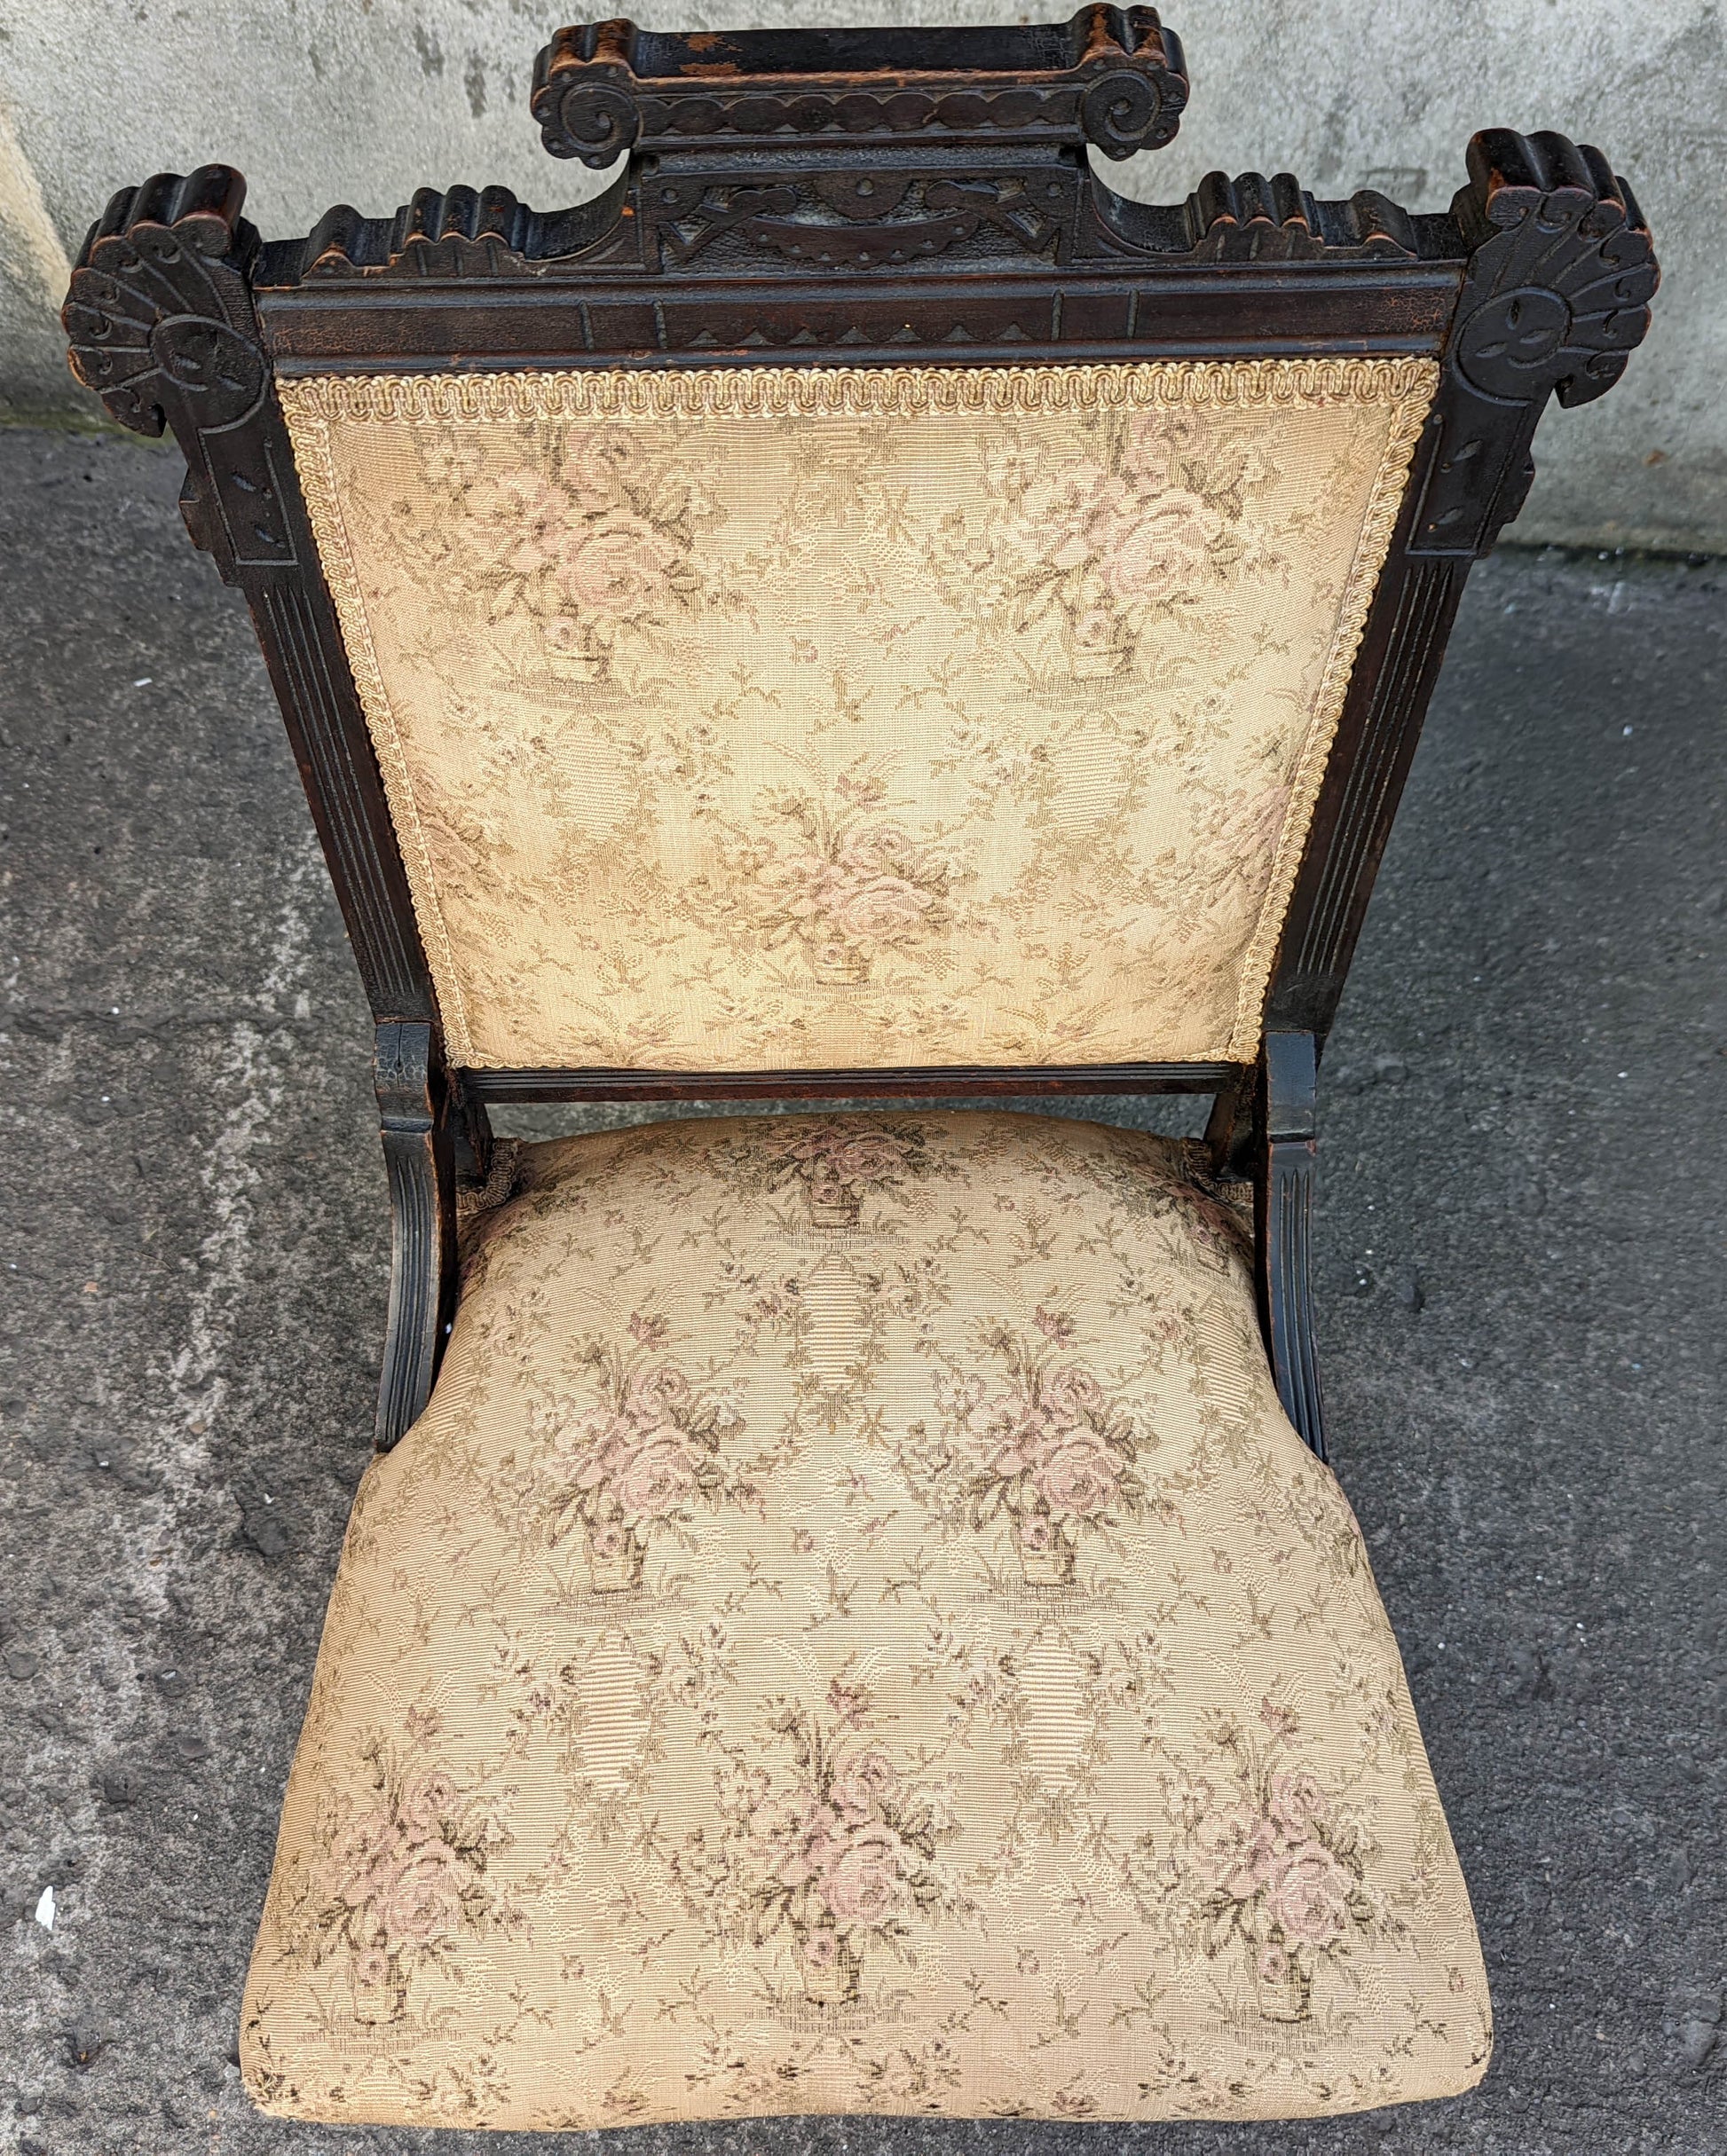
[(1519, 1314), (327, 101)]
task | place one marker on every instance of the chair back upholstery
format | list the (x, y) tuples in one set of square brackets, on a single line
[(779, 718)]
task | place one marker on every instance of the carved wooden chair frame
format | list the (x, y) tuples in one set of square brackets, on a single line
[(876, 197)]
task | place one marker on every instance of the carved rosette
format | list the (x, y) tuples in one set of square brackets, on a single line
[(1559, 283), (159, 307), (160, 327), (1556, 296)]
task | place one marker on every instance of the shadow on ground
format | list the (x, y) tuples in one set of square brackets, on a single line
[(1519, 1312)]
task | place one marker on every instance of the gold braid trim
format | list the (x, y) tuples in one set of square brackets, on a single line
[(309, 431), (1409, 411), (817, 392)]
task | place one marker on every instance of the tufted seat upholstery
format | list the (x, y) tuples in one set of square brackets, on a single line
[(853, 1631)]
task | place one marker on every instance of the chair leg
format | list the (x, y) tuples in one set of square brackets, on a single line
[(413, 1112), (1230, 1129), (1285, 1179), (471, 1128)]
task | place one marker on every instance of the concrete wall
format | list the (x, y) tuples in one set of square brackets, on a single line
[(318, 101)]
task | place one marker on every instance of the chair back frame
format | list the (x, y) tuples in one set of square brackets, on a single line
[(879, 198)]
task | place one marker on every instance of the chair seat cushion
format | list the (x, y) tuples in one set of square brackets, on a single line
[(855, 1632)]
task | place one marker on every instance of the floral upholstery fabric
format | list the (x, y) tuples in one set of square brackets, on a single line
[(854, 1632), (812, 718)]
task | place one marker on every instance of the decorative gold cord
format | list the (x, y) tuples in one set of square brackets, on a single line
[(309, 431), (1373, 543), (860, 392)]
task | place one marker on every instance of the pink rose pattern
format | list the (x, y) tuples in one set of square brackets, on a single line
[(833, 877), (1086, 558), (839, 1852), (797, 760), (586, 542), (638, 1457), (838, 1162), (405, 1873), (1045, 1450), (1280, 1867)]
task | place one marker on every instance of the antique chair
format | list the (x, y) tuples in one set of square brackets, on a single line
[(849, 1613)]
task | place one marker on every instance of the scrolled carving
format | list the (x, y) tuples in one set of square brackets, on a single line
[(1559, 282), (1118, 83), (584, 92), (1127, 111), (600, 118)]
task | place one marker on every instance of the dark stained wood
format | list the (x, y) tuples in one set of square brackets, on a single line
[(1285, 1173), (810, 198), (1402, 648), (297, 626), (1298, 312), (1111, 77), (1229, 1128), (951, 1079), (162, 327), (1560, 273), (419, 1156)]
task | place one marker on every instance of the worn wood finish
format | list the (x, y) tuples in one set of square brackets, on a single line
[(420, 1158), (1556, 295), (1114, 76), (952, 1081), (1285, 1171), (881, 196), (164, 327)]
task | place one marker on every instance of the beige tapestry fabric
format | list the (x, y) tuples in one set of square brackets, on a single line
[(854, 1632), (783, 718)]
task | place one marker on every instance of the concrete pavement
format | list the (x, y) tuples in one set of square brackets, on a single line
[(1524, 1120)]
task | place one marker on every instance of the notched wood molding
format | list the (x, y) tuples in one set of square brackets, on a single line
[(1111, 77), (452, 233)]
